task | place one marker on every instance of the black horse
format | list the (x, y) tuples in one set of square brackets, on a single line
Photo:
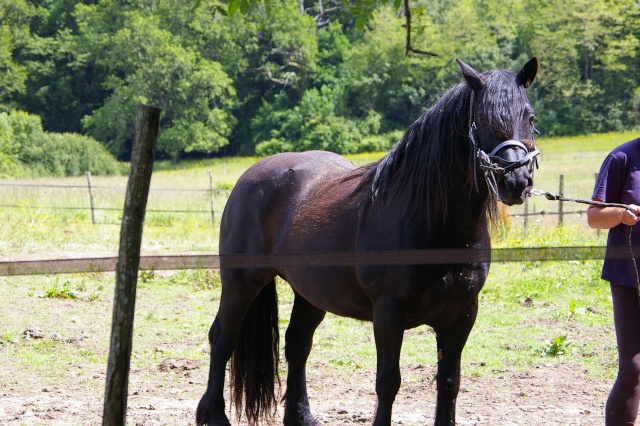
[(436, 189)]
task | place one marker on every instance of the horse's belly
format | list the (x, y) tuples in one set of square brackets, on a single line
[(332, 289), (431, 295)]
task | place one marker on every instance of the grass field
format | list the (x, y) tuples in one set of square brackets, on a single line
[(532, 314), (185, 187)]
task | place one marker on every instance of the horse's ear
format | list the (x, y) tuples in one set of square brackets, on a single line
[(528, 73), (471, 76)]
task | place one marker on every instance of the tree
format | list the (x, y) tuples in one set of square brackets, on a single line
[(147, 64), (589, 49), (15, 16), (298, 74)]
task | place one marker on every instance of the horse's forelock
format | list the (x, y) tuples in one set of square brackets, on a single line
[(504, 98)]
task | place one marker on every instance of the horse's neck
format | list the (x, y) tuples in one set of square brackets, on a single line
[(468, 227), (465, 221)]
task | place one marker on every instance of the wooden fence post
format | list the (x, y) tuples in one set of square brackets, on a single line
[(560, 206), (211, 189), (93, 205), (144, 145)]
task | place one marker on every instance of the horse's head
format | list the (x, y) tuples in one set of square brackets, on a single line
[(501, 129)]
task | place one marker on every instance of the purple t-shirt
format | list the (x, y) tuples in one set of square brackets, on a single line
[(619, 182)]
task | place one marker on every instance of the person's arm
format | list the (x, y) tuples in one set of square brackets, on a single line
[(609, 217)]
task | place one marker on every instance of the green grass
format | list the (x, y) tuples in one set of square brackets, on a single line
[(174, 311), (577, 146), (524, 307)]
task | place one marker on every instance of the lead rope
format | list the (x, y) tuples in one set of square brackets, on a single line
[(555, 197)]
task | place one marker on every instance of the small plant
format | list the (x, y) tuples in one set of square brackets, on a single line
[(343, 363), (58, 291), (147, 276), (573, 311), (553, 348), (206, 279), (10, 337)]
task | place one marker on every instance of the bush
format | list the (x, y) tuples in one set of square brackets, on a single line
[(69, 154), (317, 123), (380, 143), (26, 149)]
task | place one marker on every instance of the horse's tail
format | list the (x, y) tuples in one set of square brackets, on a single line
[(254, 366)]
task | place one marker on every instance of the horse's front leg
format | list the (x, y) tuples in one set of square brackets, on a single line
[(388, 326), (451, 341)]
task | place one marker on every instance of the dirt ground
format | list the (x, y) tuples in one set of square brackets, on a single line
[(552, 394)]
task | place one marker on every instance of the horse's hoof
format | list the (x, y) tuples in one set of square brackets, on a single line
[(304, 418), (305, 422), (217, 420), (220, 420)]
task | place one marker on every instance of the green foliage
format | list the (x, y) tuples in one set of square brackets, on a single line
[(14, 33), (70, 154), (553, 348), (316, 124), (25, 149), (147, 275), (258, 76), (8, 148), (58, 291), (589, 48), (194, 93)]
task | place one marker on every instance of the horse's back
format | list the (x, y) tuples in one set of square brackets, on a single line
[(265, 198)]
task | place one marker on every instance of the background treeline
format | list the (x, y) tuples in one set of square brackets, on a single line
[(291, 75)]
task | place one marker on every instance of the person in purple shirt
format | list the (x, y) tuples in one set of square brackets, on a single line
[(619, 182)]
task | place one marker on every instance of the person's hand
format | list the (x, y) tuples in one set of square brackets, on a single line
[(630, 216)]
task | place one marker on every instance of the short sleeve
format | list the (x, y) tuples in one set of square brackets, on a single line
[(610, 181)]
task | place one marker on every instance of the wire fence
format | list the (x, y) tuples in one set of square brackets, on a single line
[(213, 197), (560, 211), (210, 198)]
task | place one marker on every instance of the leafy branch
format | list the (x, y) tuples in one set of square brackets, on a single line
[(361, 9)]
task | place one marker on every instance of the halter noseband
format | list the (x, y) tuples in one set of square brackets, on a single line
[(487, 162)]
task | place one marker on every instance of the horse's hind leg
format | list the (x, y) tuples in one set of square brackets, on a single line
[(305, 318), (235, 301), (211, 407)]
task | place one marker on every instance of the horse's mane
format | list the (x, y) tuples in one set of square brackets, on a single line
[(418, 170)]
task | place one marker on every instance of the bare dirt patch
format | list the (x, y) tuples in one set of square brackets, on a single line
[(552, 393)]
